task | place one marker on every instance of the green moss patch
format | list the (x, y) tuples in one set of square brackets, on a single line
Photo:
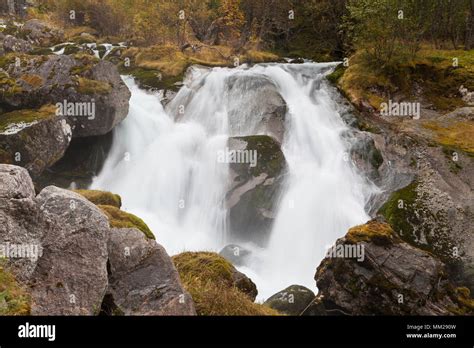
[(377, 232), (121, 219), (14, 300), (101, 197), (26, 116)]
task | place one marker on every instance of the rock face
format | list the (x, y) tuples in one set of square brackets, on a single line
[(291, 301), (142, 278), (21, 220), (255, 106), (13, 44), (71, 276), (34, 139), (93, 97), (67, 247), (255, 187), (41, 34), (391, 278)]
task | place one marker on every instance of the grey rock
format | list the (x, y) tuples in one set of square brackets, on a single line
[(255, 105), (71, 276), (255, 188), (291, 301), (13, 44), (36, 145), (142, 277), (42, 34), (22, 224), (236, 254)]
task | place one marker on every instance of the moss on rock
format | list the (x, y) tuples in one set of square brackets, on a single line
[(14, 300), (88, 86), (101, 197), (208, 278), (121, 219), (373, 231), (26, 116)]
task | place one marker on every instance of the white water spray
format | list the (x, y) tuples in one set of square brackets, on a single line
[(166, 171)]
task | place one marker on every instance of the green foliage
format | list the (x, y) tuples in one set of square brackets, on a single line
[(121, 219)]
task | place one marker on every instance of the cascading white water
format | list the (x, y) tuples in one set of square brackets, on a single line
[(166, 171)]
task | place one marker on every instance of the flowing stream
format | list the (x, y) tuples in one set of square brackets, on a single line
[(164, 166)]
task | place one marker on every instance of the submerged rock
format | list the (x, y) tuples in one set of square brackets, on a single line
[(391, 278), (293, 300), (142, 277), (235, 254), (256, 183)]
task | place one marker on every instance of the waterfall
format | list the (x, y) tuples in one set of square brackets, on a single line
[(163, 164)]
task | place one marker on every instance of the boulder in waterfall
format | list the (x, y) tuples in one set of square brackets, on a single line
[(365, 155), (371, 271), (293, 300), (34, 139), (257, 169), (88, 92), (255, 106), (142, 278), (236, 254), (82, 161), (71, 276), (22, 223)]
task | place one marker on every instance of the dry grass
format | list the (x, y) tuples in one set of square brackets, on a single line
[(208, 278), (14, 300), (101, 197), (458, 134), (121, 219), (372, 231)]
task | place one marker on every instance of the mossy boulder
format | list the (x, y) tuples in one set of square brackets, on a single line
[(390, 277), (291, 301), (121, 219), (257, 173), (14, 298), (101, 197), (34, 139), (216, 287), (89, 92)]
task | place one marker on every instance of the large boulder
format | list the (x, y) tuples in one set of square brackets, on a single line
[(257, 173), (71, 276), (41, 34), (291, 301), (34, 139), (255, 106), (371, 271), (142, 278), (21, 221), (88, 92), (13, 44)]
